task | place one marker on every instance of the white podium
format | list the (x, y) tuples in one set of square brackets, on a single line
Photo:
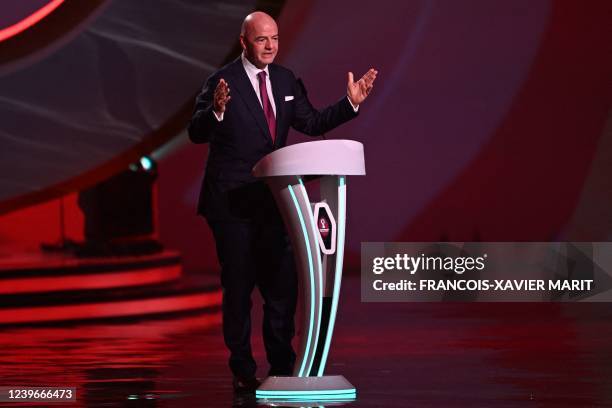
[(317, 232)]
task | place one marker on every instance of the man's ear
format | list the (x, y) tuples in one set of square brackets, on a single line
[(242, 44)]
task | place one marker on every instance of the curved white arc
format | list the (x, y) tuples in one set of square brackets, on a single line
[(341, 226), (319, 272), (338, 156), (311, 275)]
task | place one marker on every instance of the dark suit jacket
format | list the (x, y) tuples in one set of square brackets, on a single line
[(229, 191)]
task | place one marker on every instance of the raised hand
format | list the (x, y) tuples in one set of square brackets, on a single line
[(221, 97), (358, 91)]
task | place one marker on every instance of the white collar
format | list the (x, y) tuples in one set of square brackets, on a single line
[(251, 69)]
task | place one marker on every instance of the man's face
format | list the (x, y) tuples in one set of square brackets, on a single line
[(260, 43)]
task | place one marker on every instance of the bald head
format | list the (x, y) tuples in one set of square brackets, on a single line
[(257, 20), (259, 39)]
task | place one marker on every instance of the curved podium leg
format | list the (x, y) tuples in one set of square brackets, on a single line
[(320, 275)]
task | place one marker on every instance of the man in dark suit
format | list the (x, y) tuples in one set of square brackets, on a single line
[(252, 244)]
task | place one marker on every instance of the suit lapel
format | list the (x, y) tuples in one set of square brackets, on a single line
[(243, 87), (278, 98)]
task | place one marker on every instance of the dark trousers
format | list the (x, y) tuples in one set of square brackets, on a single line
[(250, 254)]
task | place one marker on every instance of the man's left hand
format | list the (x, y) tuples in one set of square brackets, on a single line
[(358, 91)]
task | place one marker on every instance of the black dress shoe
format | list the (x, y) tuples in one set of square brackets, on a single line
[(245, 385)]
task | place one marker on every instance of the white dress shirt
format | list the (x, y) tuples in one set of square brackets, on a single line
[(252, 71)]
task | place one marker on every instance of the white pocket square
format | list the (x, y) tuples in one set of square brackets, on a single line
[(288, 98)]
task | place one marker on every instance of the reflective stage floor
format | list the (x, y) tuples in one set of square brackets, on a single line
[(396, 354)]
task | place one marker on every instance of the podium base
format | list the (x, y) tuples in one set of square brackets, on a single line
[(325, 388)]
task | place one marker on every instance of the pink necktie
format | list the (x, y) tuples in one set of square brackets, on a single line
[(267, 106)]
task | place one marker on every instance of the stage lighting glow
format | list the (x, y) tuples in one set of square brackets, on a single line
[(338, 271), (307, 394), (302, 371), (146, 163), (315, 341), (30, 20)]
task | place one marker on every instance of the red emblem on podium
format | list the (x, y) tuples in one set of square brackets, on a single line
[(323, 227)]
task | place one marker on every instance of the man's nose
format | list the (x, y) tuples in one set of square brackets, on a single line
[(268, 45)]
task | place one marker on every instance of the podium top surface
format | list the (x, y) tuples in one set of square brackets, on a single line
[(323, 157)]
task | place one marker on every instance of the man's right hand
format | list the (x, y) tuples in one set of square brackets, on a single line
[(222, 97)]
